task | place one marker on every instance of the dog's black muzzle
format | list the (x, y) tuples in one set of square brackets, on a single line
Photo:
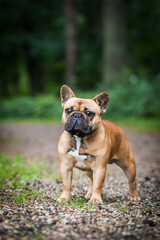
[(77, 124)]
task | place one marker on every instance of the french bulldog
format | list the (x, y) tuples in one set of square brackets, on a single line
[(90, 143)]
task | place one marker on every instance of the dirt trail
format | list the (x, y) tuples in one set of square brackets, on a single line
[(39, 141), (115, 219)]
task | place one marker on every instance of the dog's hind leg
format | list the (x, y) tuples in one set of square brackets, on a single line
[(129, 168)]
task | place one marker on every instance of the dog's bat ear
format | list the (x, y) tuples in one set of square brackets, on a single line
[(66, 93), (102, 101)]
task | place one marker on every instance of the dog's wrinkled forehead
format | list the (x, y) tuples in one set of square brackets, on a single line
[(79, 104)]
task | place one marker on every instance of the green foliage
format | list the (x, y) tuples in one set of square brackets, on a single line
[(29, 107), (32, 39), (143, 35), (32, 45), (138, 99)]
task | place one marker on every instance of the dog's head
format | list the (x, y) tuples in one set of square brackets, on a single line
[(80, 116)]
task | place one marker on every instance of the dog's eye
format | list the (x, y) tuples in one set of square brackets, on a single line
[(89, 113), (68, 111)]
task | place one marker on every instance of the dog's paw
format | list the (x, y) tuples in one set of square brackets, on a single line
[(95, 200), (62, 199), (134, 198), (88, 195)]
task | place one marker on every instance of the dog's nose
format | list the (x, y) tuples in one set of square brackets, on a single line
[(78, 115)]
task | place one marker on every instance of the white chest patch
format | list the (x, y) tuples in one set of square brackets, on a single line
[(75, 153)]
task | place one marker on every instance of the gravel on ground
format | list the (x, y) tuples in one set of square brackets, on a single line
[(45, 218)]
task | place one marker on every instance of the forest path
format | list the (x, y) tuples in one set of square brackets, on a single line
[(117, 218)]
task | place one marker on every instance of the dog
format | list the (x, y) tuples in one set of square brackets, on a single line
[(90, 143)]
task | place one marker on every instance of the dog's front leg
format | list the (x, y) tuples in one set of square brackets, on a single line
[(66, 169), (99, 174), (89, 193)]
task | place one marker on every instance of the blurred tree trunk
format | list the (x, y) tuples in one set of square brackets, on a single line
[(114, 41), (70, 42), (35, 72), (34, 65), (35, 76)]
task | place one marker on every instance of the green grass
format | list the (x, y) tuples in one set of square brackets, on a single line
[(15, 170), (15, 173), (80, 202), (121, 208), (25, 195), (76, 203)]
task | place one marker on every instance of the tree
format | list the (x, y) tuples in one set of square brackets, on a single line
[(114, 44), (31, 39), (70, 41)]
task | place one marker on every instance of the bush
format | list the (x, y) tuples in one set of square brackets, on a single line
[(138, 99), (132, 99), (29, 107)]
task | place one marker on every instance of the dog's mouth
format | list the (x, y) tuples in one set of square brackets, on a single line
[(78, 126)]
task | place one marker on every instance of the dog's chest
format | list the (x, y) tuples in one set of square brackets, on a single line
[(75, 153)]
